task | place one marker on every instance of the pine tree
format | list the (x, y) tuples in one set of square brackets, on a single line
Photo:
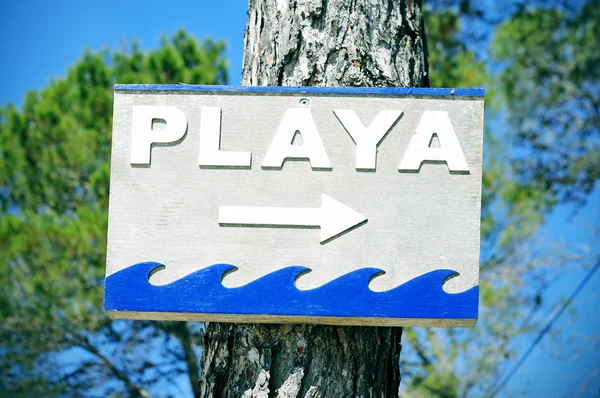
[(318, 43)]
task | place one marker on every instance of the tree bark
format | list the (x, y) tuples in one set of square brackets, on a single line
[(318, 43)]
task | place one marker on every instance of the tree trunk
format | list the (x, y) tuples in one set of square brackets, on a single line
[(318, 43)]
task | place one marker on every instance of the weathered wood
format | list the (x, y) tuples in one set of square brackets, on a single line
[(319, 42), (313, 320), (416, 221)]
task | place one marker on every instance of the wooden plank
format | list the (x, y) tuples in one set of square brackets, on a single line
[(407, 161), (313, 320)]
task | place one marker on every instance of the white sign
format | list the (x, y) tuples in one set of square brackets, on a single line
[(210, 180)]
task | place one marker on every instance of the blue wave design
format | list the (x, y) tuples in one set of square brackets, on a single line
[(276, 294)]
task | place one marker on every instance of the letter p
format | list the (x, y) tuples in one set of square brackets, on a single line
[(144, 132)]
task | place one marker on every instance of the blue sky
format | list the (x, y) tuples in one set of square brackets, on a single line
[(39, 40)]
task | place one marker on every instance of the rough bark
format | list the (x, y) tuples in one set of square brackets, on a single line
[(324, 43), (335, 43), (300, 361)]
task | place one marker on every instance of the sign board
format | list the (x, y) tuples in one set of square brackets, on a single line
[(279, 204)]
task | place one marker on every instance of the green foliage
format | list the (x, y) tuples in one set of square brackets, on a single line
[(542, 148), (551, 93), (54, 177), (451, 64)]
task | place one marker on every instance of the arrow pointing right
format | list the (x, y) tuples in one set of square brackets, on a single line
[(333, 217)]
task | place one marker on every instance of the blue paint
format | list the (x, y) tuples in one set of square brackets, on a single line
[(370, 91), (276, 294)]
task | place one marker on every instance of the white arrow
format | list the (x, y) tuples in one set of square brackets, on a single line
[(333, 217)]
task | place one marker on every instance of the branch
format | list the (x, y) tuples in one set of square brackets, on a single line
[(181, 331), (421, 353), (134, 390)]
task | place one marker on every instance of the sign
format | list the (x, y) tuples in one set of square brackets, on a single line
[(280, 204)]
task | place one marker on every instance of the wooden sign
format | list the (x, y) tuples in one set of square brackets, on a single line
[(280, 204)]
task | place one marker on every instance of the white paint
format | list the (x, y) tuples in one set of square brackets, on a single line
[(419, 150), (143, 135), (210, 143), (332, 217), (281, 148), (367, 139)]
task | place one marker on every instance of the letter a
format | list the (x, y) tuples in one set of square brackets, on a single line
[(419, 150), (282, 148)]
